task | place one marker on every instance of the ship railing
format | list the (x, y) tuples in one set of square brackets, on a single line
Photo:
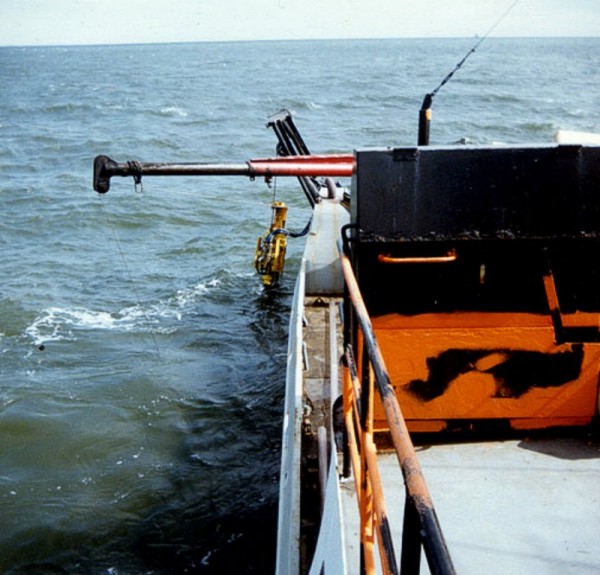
[(421, 530)]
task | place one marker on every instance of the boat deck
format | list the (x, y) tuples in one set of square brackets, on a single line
[(517, 506), (506, 507)]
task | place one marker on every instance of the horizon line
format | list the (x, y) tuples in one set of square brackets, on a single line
[(265, 40)]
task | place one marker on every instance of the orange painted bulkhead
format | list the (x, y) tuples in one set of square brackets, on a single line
[(448, 368), (479, 268)]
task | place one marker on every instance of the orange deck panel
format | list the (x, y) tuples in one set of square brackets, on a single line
[(482, 366)]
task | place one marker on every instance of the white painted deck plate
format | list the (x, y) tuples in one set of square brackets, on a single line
[(323, 269), (511, 507)]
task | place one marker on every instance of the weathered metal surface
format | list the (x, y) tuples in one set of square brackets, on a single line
[(525, 506), (330, 553), (288, 527), (331, 165), (375, 370), (449, 370), (319, 391), (323, 272), (311, 388), (474, 193), (486, 276), (507, 330), (269, 260), (448, 257), (291, 143)]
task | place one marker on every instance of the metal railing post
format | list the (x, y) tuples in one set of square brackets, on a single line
[(410, 561), (420, 508)]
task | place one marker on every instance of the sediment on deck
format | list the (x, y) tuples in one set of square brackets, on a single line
[(322, 347)]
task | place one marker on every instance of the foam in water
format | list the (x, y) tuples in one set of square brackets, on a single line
[(173, 111), (59, 324)]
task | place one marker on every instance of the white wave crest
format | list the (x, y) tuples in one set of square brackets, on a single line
[(57, 323), (173, 111), (186, 296)]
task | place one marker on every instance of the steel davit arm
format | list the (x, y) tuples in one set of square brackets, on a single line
[(338, 165)]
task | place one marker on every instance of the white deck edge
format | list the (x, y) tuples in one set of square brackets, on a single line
[(330, 554), (288, 528), (572, 137)]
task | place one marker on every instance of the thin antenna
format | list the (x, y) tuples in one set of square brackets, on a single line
[(425, 112)]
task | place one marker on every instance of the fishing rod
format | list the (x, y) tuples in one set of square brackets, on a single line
[(425, 111)]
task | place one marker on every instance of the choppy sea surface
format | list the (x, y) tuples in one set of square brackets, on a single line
[(142, 364)]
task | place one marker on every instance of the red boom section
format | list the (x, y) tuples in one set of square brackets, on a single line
[(334, 165)]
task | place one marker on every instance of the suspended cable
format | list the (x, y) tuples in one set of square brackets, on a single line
[(127, 269)]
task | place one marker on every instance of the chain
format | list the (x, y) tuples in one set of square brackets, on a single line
[(135, 168)]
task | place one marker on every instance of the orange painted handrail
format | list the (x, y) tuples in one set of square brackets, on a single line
[(448, 257), (421, 526)]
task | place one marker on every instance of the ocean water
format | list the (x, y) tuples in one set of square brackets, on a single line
[(141, 363)]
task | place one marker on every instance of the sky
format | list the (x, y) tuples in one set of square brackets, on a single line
[(65, 22)]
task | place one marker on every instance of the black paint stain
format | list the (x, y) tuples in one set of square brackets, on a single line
[(515, 372)]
